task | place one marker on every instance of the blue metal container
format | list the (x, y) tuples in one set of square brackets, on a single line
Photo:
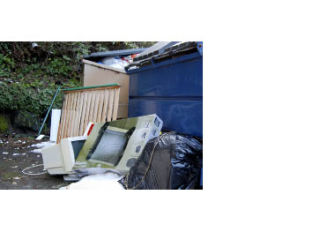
[(171, 87)]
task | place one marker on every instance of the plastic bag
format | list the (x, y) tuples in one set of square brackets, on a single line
[(170, 161)]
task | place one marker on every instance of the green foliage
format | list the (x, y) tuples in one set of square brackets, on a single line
[(59, 67), (51, 60), (6, 65), (4, 123), (32, 97)]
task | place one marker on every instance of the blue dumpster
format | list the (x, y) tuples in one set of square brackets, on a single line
[(170, 85)]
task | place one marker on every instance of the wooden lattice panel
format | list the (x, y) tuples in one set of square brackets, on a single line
[(81, 106)]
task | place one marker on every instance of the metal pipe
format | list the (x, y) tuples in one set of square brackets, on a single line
[(49, 109)]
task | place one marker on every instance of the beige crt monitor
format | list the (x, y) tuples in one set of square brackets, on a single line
[(60, 158)]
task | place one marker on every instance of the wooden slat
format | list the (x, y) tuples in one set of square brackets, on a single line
[(74, 115), (116, 104), (70, 117), (77, 115), (91, 108), (86, 121), (105, 105), (83, 113), (66, 117), (100, 106), (82, 104), (95, 108), (62, 119), (110, 105), (65, 128)]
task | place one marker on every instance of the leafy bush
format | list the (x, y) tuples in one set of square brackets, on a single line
[(4, 123), (59, 67), (35, 97), (6, 65)]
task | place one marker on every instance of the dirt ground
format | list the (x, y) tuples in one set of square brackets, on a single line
[(19, 153)]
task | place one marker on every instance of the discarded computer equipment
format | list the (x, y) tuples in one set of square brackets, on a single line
[(60, 158), (118, 144), (114, 145)]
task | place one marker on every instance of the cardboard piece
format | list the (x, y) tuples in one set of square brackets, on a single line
[(98, 74)]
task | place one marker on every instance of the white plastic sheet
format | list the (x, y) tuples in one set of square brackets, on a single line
[(55, 119)]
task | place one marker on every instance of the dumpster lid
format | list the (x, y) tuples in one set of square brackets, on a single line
[(156, 49), (125, 52), (165, 52)]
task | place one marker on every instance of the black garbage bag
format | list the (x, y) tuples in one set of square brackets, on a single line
[(170, 161)]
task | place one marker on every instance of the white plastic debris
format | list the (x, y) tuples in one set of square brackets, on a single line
[(5, 153), (107, 181), (55, 119), (40, 137), (34, 45), (42, 144), (36, 151), (115, 63), (39, 146)]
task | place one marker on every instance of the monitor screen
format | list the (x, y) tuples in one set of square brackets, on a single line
[(110, 147)]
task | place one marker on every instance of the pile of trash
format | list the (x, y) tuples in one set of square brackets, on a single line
[(115, 59), (94, 149), (131, 152)]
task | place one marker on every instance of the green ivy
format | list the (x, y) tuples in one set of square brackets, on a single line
[(33, 97), (6, 65), (59, 67)]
